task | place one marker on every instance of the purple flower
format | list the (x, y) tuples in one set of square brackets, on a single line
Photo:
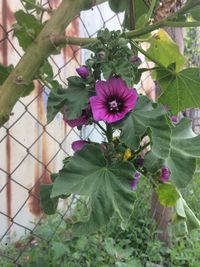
[(78, 145), (165, 174), (113, 101), (76, 122), (136, 60), (83, 72), (82, 120), (139, 162), (136, 179), (174, 118)]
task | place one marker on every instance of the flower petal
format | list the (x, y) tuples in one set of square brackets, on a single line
[(98, 108)]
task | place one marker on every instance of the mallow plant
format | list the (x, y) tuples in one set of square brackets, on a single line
[(143, 139)]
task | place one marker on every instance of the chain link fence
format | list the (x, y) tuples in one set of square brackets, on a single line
[(31, 150)]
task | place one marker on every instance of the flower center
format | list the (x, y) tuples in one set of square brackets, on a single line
[(114, 105)]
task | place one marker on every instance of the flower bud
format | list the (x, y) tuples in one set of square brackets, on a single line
[(101, 55), (78, 145), (136, 179), (83, 72), (135, 60), (165, 174), (174, 118)]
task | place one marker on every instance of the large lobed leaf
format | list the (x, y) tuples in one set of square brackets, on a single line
[(179, 90), (142, 118), (107, 186), (26, 29), (184, 149), (165, 50), (75, 99)]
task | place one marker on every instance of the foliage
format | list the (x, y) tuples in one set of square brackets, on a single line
[(135, 244), (103, 173)]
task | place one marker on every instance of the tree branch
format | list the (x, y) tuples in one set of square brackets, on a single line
[(39, 50)]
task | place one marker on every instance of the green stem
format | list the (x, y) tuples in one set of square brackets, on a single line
[(65, 40), (151, 9), (109, 132), (132, 14)]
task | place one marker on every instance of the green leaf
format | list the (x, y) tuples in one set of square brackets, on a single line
[(196, 13), (49, 205), (59, 249), (165, 51), (77, 97), (4, 72), (27, 89), (56, 100), (26, 29), (142, 118), (152, 163), (167, 194), (118, 5), (47, 71), (184, 219), (184, 148), (181, 90), (124, 69), (107, 186)]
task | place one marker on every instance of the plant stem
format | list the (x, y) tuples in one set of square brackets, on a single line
[(151, 8), (109, 132), (132, 14), (65, 40)]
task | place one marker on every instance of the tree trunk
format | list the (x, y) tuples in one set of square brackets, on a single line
[(161, 214)]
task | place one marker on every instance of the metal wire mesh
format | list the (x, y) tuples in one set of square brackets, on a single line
[(28, 119)]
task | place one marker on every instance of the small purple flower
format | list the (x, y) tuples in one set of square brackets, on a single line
[(139, 162), (76, 122), (78, 145), (165, 174), (83, 72), (136, 179), (136, 60), (174, 118), (113, 101), (82, 120)]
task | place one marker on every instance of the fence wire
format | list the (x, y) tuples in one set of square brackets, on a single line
[(22, 220)]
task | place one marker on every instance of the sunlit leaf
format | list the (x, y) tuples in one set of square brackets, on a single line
[(165, 50), (181, 90), (167, 194)]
